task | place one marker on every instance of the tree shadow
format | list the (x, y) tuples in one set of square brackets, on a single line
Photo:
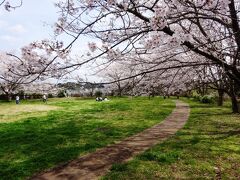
[(34, 145)]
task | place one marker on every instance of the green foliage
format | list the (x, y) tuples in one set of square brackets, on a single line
[(207, 99)]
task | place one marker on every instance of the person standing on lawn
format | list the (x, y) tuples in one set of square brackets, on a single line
[(44, 98), (17, 99)]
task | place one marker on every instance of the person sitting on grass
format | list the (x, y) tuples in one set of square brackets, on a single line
[(99, 99), (105, 99)]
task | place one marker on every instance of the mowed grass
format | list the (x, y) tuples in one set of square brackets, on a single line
[(208, 147), (10, 113), (37, 140)]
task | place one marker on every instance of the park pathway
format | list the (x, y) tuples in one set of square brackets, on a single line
[(94, 165)]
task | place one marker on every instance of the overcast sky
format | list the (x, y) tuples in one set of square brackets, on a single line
[(31, 22)]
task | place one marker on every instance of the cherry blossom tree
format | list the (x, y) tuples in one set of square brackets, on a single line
[(34, 64), (38, 61), (215, 78), (41, 87), (115, 74), (207, 28), (166, 29), (151, 74), (9, 83), (197, 25), (8, 5)]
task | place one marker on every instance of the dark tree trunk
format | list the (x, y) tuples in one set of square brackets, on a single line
[(9, 97), (120, 93), (220, 97), (233, 95), (153, 95), (119, 90), (235, 104)]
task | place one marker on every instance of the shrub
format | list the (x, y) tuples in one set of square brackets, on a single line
[(98, 93), (21, 94), (36, 96), (50, 95), (61, 94), (207, 99), (3, 97), (197, 97)]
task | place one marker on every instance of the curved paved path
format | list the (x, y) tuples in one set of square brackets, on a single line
[(94, 165)]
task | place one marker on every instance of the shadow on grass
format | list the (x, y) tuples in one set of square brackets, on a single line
[(38, 143), (212, 114), (209, 142), (31, 147), (224, 135)]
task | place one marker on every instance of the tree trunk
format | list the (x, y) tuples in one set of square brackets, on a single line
[(153, 94), (235, 104), (119, 90), (233, 94), (120, 93), (220, 97), (9, 97)]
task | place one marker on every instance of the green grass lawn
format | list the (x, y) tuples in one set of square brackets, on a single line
[(208, 147), (36, 136)]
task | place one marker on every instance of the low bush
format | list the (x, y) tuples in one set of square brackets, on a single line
[(61, 94), (98, 93), (50, 95), (207, 99)]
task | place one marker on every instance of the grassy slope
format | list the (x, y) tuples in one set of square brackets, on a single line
[(36, 142), (208, 147)]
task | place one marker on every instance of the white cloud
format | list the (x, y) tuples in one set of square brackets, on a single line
[(17, 29)]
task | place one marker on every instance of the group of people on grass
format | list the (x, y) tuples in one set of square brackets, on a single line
[(44, 98), (102, 99)]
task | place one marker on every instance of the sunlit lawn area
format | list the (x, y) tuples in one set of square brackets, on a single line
[(11, 113), (35, 136), (208, 147)]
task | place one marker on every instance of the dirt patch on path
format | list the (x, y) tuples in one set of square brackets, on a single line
[(94, 165)]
